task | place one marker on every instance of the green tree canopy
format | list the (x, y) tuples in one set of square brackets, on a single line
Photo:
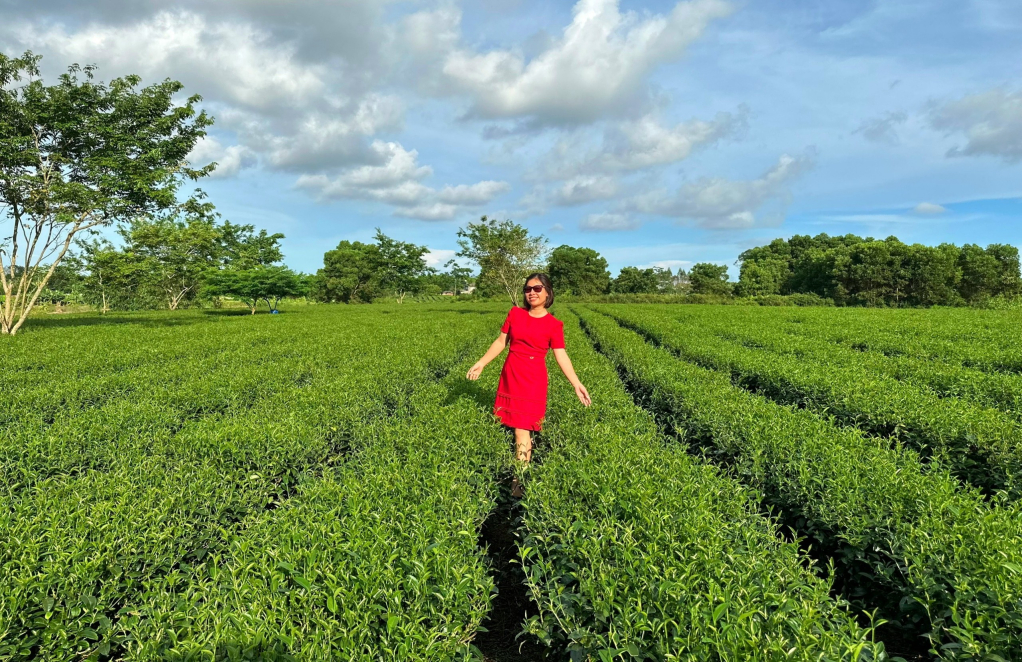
[(505, 252), (260, 283), (709, 278), (580, 271), (356, 272), (401, 264), (77, 155), (866, 271), (633, 280)]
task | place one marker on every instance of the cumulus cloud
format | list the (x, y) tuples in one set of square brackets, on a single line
[(599, 65), (638, 144), (472, 194), (230, 160), (882, 129), (928, 208), (718, 203), (607, 222), (323, 140), (396, 181), (991, 123), (437, 257), (578, 190), (231, 60)]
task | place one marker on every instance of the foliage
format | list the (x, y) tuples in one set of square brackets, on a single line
[(635, 550), (400, 265), (852, 270), (708, 278), (77, 155), (251, 492), (633, 280), (936, 559), (578, 271), (269, 284), (505, 253), (355, 272)]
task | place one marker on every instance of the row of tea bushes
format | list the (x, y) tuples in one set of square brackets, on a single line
[(981, 445), (997, 390), (634, 550), (906, 538), (89, 551), (377, 560)]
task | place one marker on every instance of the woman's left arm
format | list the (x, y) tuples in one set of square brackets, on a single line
[(569, 371)]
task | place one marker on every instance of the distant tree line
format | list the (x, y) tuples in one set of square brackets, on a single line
[(853, 270)]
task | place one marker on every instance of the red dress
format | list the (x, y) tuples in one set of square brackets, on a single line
[(521, 393)]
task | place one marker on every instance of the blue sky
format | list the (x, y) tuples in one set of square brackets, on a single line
[(658, 133)]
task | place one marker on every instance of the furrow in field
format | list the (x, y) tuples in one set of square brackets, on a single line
[(908, 539), (87, 552), (379, 559), (634, 549), (980, 445)]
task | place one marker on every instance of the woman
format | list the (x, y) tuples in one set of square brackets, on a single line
[(522, 391)]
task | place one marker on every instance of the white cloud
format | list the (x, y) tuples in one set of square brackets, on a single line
[(990, 121), (882, 129), (578, 190), (322, 140), (608, 223), (643, 143), (719, 203), (475, 194), (437, 257), (673, 265), (230, 160), (928, 208), (237, 60), (396, 182), (598, 66), (556, 227)]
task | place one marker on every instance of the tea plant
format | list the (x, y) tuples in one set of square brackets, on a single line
[(907, 538)]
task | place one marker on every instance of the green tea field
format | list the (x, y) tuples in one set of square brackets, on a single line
[(750, 484)]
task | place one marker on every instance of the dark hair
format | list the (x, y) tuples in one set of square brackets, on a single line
[(545, 281)]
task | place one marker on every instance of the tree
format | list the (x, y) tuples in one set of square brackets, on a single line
[(400, 264), (348, 274), (260, 283), (504, 251), (459, 275), (708, 278), (78, 155), (114, 278), (242, 248), (174, 252), (580, 271), (633, 280)]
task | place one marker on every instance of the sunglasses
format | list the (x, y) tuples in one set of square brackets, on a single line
[(535, 288)]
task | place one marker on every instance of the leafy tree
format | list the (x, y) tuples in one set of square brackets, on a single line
[(260, 283), (633, 280), (708, 278), (242, 248), (348, 273), (580, 271), (174, 253), (77, 155), (458, 274), (115, 278), (400, 264), (505, 253)]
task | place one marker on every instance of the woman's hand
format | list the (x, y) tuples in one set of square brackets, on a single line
[(583, 394), (475, 371)]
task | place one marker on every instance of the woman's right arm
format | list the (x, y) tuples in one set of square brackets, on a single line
[(495, 349)]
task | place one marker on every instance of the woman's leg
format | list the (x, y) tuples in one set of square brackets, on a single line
[(523, 445)]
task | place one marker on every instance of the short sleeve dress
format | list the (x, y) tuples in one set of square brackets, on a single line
[(522, 391)]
